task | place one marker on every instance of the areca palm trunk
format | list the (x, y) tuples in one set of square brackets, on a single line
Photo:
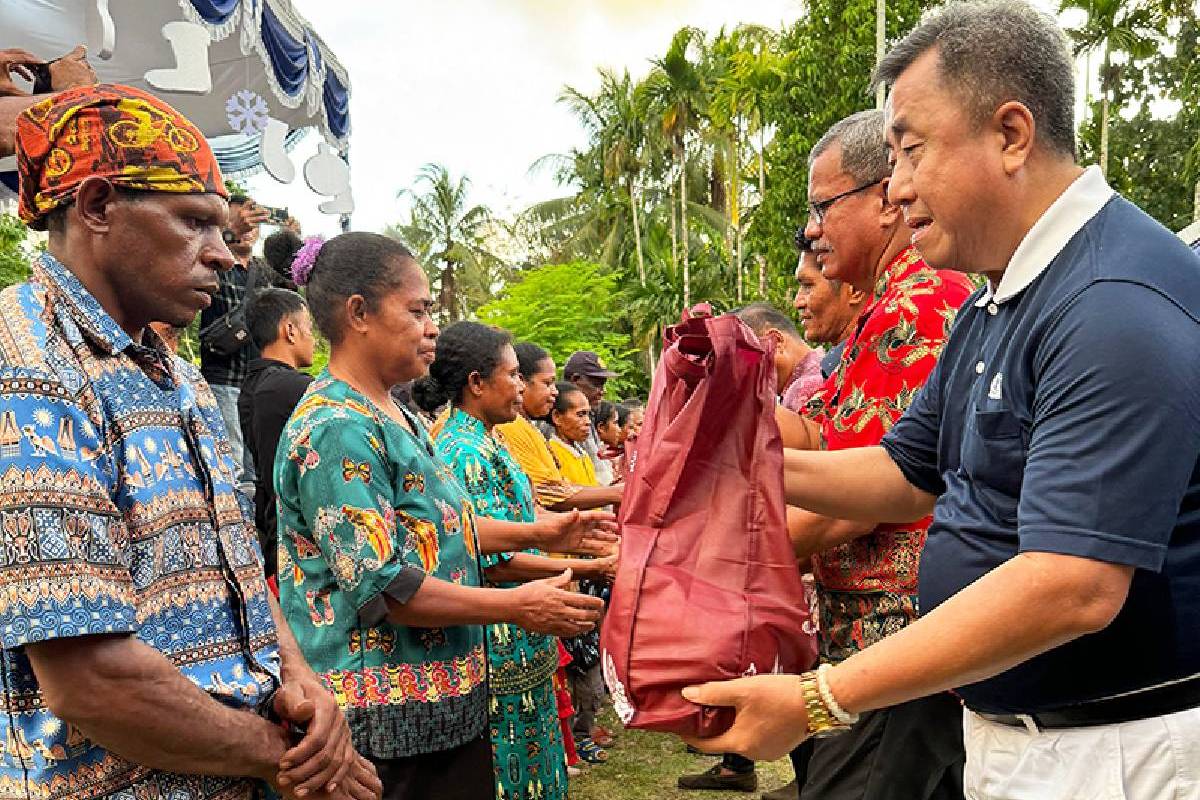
[(762, 196), (1105, 93), (637, 232), (683, 227), (735, 207), (674, 234)]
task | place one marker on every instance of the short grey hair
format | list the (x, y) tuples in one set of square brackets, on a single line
[(863, 146), (994, 51)]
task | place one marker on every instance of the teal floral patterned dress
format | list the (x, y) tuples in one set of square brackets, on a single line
[(529, 757), (367, 508)]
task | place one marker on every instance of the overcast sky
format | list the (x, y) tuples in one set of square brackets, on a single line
[(472, 84)]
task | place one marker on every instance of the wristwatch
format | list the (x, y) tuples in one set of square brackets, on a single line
[(229, 236), (822, 722)]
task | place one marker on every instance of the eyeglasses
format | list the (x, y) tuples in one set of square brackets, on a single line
[(821, 208)]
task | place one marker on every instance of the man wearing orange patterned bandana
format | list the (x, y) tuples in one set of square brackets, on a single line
[(137, 637)]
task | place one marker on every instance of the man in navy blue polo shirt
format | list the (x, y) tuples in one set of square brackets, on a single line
[(1057, 442)]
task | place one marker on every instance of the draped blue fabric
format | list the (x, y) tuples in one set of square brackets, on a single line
[(337, 105), (216, 12), (289, 58)]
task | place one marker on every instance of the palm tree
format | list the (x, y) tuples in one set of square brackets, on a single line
[(674, 93), (1134, 29), (455, 238), (617, 131), (753, 74)]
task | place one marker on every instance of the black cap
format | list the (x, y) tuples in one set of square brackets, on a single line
[(585, 362)]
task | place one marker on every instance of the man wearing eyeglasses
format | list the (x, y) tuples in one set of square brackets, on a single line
[(866, 573)]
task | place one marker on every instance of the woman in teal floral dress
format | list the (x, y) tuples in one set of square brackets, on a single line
[(379, 573), (476, 369)]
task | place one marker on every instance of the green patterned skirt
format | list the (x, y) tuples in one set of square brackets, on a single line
[(527, 745)]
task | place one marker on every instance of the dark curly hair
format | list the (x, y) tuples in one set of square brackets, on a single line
[(278, 251), (603, 412), (529, 357), (366, 264), (463, 348), (565, 390)]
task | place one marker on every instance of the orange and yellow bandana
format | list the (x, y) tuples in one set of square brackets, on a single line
[(132, 138)]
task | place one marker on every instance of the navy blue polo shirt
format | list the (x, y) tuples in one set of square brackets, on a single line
[(1065, 418)]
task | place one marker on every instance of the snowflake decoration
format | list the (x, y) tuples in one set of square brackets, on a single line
[(246, 112), (43, 417)]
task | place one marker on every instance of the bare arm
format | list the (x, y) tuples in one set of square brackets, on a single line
[(11, 108), (798, 432), (588, 497), (862, 483), (956, 644), (812, 533), (959, 642), (544, 606), (127, 697), (527, 566), (586, 533), (502, 536)]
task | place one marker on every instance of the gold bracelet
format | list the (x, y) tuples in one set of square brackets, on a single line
[(821, 720)]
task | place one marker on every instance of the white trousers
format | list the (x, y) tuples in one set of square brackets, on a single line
[(1148, 759)]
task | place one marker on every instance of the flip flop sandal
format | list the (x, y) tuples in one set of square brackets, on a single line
[(590, 752)]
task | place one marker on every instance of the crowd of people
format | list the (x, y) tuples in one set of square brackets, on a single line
[(388, 579)]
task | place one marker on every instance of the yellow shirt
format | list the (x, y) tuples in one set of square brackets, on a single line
[(576, 465), (528, 447)]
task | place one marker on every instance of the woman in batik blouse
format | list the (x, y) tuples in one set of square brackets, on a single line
[(476, 368), (379, 568)]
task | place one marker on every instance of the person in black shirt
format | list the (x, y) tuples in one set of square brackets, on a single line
[(282, 330), (226, 372)]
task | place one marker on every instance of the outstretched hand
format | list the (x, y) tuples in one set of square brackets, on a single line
[(581, 533), (770, 718), (548, 606)]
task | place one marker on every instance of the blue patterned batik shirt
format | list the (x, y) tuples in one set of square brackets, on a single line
[(117, 515)]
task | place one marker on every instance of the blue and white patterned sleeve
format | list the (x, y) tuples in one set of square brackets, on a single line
[(64, 544)]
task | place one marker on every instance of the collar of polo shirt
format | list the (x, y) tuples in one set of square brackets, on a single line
[(1073, 209)]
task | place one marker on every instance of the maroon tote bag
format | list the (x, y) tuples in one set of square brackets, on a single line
[(707, 588)]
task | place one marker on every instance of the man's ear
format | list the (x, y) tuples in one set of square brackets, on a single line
[(1017, 128), (889, 213), (94, 201)]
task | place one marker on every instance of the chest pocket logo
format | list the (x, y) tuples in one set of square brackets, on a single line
[(995, 390)]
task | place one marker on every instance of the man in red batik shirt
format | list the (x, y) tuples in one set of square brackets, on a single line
[(867, 574)]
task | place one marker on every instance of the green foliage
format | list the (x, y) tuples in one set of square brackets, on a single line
[(1146, 163), (569, 307), (15, 250), (826, 60)]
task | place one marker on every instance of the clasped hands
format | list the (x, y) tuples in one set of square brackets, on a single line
[(324, 764)]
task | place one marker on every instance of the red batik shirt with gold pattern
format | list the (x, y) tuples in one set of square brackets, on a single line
[(867, 587)]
